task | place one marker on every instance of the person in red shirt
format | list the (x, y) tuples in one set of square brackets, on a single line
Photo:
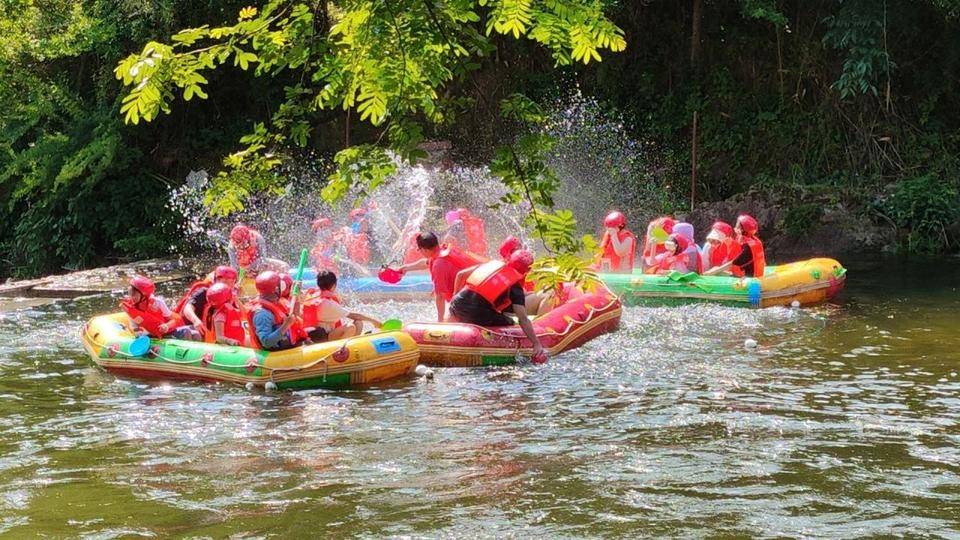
[(444, 263)]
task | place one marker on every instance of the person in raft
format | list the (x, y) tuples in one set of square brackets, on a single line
[(192, 305), (674, 257), (719, 249), (657, 232), (692, 251), (247, 250), (751, 261), (618, 245), (274, 326), (222, 317), (324, 309), (467, 232), (443, 262), (493, 289), (149, 314)]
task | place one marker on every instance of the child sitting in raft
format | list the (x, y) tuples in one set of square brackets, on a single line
[(719, 249), (692, 251), (149, 314), (494, 289), (323, 309), (192, 305), (673, 259), (222, 317), (657, 232), (751, 260), (275, 327)]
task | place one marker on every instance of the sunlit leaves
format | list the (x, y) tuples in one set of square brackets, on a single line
[(248, 13), (365, 165)]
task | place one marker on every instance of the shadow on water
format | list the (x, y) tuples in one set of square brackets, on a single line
[(843, 422)]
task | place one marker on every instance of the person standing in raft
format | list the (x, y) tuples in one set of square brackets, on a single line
[(247, 250), (618, 245), (357, 238), (222, 318), (493, 289), (720, 248), (443, 262), (273, 326), (323, 309), (751, 261), (192, 305), (149, 314)]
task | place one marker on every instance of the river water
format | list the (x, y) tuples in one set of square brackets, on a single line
[(845, 421)]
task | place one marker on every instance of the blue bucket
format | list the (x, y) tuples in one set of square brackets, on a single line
[(139, 346)]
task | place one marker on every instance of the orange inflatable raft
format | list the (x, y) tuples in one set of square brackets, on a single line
[(563, 328)]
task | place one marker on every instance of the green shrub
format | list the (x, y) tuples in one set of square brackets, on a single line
[(922, 208)]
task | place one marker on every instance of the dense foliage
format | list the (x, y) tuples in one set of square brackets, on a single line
[(840, 98)]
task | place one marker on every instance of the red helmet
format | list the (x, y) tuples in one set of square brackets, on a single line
[(268, 282), (143, 284), (320, 223), (667, 224), (748, 224), (240, 234), (723, 227), (615, 219), (224, 272), (521, 261), (509, 245), (219, 294), (358, 213), (286, 285)]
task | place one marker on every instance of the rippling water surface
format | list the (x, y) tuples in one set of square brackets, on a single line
[(844, 422)]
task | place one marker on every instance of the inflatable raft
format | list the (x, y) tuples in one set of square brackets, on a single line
[(809, 282), (360, 360), (564, 328), (414, 286)]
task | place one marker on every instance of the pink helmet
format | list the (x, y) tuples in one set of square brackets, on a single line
[(615, 219), (748, 224), (521, 261), (143, 285), (219, 294), (225, 272), (509, 245), (451, 217)]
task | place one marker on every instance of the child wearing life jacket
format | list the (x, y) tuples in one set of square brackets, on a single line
[(191, 306), (322, 253), (323, 309), (673, 259), (149, 314), (719, 249), (273, 325), (618, 245), (356, 237), (222, 317), (657, 232), (443, 262), (692, 251), (494, 289), (751, 262)]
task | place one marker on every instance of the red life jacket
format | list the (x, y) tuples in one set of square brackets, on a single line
[(232, 327), (459, 259), (665, 264), (149, 318), (249, 255), (311, 307), (473, 228), (617, 263), (756, 253), (358, 248), (491, 280), (295, 333), (182, 303)]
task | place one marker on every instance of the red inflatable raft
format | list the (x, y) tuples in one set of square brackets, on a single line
[(566, 327)]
